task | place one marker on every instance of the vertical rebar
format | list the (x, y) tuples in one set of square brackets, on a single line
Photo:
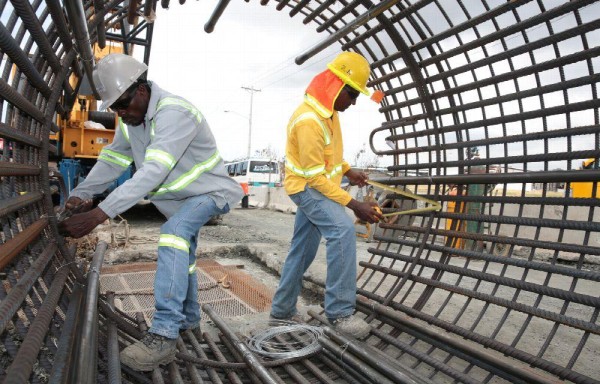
[(87, 363), (114, 362)]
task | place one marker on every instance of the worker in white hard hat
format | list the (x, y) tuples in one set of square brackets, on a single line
[(314, 170), (178, 167)]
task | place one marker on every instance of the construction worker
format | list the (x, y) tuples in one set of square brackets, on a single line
[(314, 170), (178, 167)]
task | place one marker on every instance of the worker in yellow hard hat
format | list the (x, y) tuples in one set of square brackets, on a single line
[(314, 170)]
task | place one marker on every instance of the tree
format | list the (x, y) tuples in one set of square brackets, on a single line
[(365, 159), (269, 152)]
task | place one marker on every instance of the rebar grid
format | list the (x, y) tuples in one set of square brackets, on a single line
[(483, 99)]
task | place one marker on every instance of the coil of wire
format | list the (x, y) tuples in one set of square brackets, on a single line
[(286, 339)]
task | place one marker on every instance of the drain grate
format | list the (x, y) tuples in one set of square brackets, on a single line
[(230, 291)]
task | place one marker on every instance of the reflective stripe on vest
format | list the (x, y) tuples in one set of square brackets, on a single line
[(188, 177), (161, 156), (198, 169), (335, 171), (173, 241), (174, 101), (115, 158), (124, 130), (313, 102), (308, 173), (192, 269), (311, 116)]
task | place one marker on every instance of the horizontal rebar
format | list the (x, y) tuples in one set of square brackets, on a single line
[(420, 330), (488, 342), (10, 249), (497, 178), (500, 280), (13, 204)]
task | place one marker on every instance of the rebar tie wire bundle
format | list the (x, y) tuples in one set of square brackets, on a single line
[(287, 339)]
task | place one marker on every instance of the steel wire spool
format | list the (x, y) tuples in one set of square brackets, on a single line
[(285, 340)]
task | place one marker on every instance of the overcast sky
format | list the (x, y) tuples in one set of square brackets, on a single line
[(251, 46), (255, 46)]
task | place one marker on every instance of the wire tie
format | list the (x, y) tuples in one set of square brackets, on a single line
[(344, 347), (64, 265)]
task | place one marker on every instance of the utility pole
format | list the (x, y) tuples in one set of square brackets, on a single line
[(252, 90)]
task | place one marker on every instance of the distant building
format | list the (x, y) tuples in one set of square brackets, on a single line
[(550, 187)]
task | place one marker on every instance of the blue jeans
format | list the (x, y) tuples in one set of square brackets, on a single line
[(175, 282), (317, 215)]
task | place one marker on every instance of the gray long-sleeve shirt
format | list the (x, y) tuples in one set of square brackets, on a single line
[(175, 155)]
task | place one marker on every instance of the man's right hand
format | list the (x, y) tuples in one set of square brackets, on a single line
[(76, 205), (73, 206), (80, 224), (365, 211)]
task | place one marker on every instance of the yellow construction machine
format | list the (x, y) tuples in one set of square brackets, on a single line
[(84, 132), (585, 189)]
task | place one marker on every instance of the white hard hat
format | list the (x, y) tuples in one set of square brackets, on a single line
[(115, 73)]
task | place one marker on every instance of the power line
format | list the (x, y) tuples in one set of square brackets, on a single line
[(299, 71)]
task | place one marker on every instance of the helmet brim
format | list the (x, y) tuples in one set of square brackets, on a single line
[(106, 104), (348, 80)]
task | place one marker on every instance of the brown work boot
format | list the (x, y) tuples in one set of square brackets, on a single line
[(150, 352), (352, 325)]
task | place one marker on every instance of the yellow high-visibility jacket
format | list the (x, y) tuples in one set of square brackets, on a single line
[(314, 149)]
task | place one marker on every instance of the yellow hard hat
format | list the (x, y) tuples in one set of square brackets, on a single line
[(353, 69)]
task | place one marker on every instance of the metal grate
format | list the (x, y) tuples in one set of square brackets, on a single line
[(230, 291)]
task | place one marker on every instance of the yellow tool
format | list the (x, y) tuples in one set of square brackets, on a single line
[(368, 198), (434, 205), (366, 224)]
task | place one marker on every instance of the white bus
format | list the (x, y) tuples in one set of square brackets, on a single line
[(254, 172)]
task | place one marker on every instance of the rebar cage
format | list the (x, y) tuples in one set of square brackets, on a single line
[(490, 108)]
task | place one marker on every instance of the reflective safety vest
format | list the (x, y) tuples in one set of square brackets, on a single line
[(314, 154), (176, 158), (164, 157)]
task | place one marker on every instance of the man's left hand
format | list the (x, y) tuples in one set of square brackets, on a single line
[(81, 224), (357, 177)]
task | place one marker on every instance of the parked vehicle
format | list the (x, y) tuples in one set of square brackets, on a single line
[(254, 172)]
